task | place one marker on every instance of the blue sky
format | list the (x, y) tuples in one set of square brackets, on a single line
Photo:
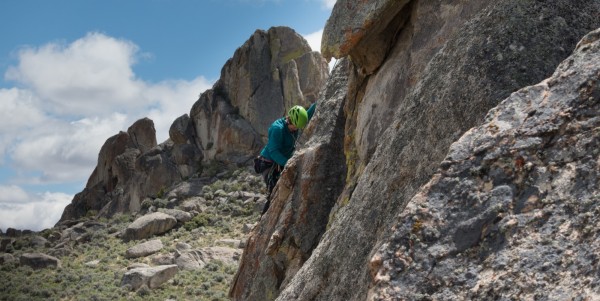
[(75, 72)]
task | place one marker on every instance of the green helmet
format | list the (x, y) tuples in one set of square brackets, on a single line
[(298, 116)]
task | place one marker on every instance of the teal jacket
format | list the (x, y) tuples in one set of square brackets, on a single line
[(282, 142)]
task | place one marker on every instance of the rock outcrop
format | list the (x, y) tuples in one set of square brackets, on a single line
[(148, 226), (293, 225), (39, 261), (131, 166), (144, 249), (272, 71), (513, 211), (437, 69), (188, 259), (152, 277)]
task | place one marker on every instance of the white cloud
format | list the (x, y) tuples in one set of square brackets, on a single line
[(174, 99), (12, 194), (314, 40), (73, 98), (37, 212), (92, 75), (19, 113), (329, 3), (19, 109), (65, 151)]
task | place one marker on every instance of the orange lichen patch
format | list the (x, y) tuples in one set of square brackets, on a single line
[(351, 38)]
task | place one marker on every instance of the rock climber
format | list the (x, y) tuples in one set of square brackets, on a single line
[(283, 135)]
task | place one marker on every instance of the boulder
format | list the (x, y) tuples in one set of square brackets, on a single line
[(6, 244), (223, 254), (61, 250), (143, 135), (163, 259), (137, 265), (92, 264), (6, 258), (189, 260), (181, 216), (181, 246), (54, 236), (39, 242), (247, 228), (75, 233), (39, 261), (144, 249), (148, 226), (197, 259), (187, 189), (192, 204), (233, 243), (12, 232), (152, 277), (181, 130)]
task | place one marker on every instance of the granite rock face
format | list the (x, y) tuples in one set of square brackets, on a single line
[(270, 73), (513, 211), (283, 239), (131, 166), (445, 64)]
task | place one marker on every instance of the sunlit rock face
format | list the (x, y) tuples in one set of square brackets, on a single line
[(421, 74), (273, 71)]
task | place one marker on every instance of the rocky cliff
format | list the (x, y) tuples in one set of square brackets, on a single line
[(512, 212), (272, 71), (419, 75)]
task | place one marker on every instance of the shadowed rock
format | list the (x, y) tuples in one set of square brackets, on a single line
[(515, 197), (447, 63), (39, 261)]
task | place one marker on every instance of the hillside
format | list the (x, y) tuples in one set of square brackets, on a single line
[(453, 155), (89, 259)]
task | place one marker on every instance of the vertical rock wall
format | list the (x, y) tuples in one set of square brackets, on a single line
[(270, 73), (305, 194), (513, 211), (437, 68)]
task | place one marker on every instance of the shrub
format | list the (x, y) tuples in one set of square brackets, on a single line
[(200, 220), (161, 193)]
